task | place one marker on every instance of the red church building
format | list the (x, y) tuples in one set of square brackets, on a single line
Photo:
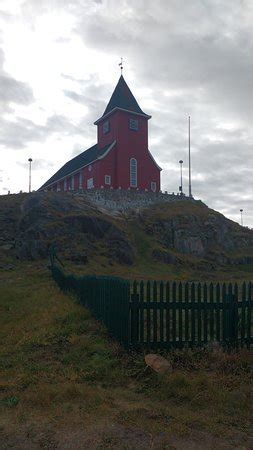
[(120, 159)]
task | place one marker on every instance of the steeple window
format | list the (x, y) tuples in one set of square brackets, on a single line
[(106, 127), (133, 124)]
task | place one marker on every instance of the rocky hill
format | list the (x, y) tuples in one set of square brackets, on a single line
[(143, 235)]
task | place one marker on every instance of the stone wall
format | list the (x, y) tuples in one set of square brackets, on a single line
[(121, 200)]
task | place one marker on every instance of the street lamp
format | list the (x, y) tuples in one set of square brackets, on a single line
[(241, 211), (30, 173), (181, 176)]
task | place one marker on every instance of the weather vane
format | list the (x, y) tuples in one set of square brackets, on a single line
[(121, 65)]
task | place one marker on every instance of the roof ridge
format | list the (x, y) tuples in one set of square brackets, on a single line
[(81, 160)]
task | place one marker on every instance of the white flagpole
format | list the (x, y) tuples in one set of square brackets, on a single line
[(189, 142)]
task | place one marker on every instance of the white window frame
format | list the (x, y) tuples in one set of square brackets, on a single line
[(90, 184), (72, 182), (133, 172), (133, 124), (108, 179), (80, 180), (106, 127), (153, 186)]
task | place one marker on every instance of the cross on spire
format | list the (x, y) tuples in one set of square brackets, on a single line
[(121, 65)]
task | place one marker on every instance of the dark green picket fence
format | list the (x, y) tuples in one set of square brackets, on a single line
[(165, 315), (174, 314), (106, 297)]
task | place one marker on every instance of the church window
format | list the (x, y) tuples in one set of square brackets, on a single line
[(106, 127), (90, 183), (90, 168), (72, 183), (153, 186), (80, 180), (133, 124), (133, 172), (58, 187), (65, 184), (107, 179)]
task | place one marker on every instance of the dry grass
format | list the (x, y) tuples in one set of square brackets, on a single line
[(64, 384)]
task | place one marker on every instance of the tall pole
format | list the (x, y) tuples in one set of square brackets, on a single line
[(189, 142), (181, 176), (30, 173), (241, 211)]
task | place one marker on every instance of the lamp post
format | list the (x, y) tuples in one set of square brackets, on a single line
[(181, 176), (30, 173), (241, 211)]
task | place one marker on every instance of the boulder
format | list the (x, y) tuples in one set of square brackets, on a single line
[(158, 363)]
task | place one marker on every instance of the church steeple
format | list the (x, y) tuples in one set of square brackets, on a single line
[(123, 99)]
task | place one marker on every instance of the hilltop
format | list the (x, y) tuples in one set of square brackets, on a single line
[(129, 234), (63, 382)]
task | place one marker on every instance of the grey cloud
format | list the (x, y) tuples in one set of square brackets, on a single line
[(16, 134), (196, 59), (37, 164), (12, 90), (180, 44), (92, 94)]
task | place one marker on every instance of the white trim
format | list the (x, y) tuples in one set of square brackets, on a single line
[(108, 177), (72, 182), (153, 186), (133, 124), (107, 151), (80, 180), (124, 110), (90, 184), (136, 172), (82, 167), (106, 127)]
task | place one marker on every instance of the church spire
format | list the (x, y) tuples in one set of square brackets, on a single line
[(122, 98)]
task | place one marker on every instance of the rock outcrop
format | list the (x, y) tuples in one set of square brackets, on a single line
[(164, 230)]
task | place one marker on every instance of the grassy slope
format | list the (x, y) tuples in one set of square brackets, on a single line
[(144, 266), (65, 385)]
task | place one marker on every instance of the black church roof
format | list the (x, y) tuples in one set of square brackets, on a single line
[(123, 98), (91, 154)]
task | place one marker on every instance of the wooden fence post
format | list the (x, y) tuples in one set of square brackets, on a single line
[(135, 312), (233, 316)]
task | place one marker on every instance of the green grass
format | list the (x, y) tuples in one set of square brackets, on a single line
[(59, 372)]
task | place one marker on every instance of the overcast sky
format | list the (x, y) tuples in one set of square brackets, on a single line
[(59, 65)]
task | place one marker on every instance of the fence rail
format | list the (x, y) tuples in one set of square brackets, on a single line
[(176, 314), (164, 314)]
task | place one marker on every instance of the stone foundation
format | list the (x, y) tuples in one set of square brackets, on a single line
[(121, 200)]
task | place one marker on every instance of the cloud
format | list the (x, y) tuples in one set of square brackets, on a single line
[(181, 58), (12, 90), (37, 164), (19, 132)]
